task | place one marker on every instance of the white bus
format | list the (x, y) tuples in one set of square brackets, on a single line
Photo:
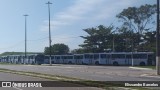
[(32, 58), (88, 58), (96, 58), (113, 58), (132, 58), (119, 58), (79, 58), (58, 59), (102, 59), (68, 59), (14, 59), (4, 59)]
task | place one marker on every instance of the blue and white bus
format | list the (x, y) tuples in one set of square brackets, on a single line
[(112, 58)]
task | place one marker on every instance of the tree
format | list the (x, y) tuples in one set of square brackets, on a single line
[(97, 39), (149, 42), (138, 19), (78, 51), (57, 49)]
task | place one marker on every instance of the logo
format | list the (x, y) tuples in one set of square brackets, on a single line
[(6, 84)]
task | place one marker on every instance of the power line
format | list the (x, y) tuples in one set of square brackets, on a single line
[(34, 40), (53, 37), (15, 45), (39, 39)]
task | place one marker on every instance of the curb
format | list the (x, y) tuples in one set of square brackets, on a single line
[(141, 68)]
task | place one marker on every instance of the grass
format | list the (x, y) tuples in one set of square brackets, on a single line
[(99, 84), (3, 63)]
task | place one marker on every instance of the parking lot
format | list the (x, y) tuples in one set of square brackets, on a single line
[(97, 73)]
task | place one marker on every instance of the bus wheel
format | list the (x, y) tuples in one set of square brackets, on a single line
[(115, 64), (142, 64), (69, 62), (97, 63)]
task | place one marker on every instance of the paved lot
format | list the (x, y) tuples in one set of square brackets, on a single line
[(14, 77), (100, 73)]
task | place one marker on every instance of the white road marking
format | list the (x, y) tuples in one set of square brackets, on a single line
[(147, 75), (140, 68)]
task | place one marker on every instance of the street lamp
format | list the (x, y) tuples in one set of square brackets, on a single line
[(158, 42), (49, 32), (113, 39), (25, 35), (113, 43), (131, 33)]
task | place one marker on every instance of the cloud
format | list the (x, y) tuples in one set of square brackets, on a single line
[(110, 10), (85, 13), (72, 14), (61, 39)]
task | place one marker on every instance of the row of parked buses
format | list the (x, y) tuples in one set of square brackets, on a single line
[(113, 58)]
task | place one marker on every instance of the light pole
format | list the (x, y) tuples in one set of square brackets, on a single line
[(49, 32), (113, 39), (113, 43), (131, 33), (158, 42), (25, 36)]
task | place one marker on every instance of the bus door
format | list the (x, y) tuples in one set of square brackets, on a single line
[(151, 60), (103, 59), (96, 59), (57, 59), (91, 59), (19, 59), (78, 59), (128, 59), (108, 59)]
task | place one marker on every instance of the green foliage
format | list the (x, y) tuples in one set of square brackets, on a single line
[(133, 35), (78, 51), (149, 42), (124, 40), (137, 19), (97, 39), (57, 49)]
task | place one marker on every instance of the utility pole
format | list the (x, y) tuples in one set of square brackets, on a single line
[(49, 33), (132, 32), (113, 50), (158, 42), (113, 41), (25, 37)]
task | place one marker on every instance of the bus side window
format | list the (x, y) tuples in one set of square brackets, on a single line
[(118, 56), (128, 56), (139, 56), (103, 56), (52, 57), (96, 56)]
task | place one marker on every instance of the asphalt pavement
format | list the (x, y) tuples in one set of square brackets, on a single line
[(97, 73)]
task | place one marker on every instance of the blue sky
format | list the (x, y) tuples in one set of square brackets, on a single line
[(68, 19)]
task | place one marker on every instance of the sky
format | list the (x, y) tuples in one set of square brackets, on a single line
[(68, 19)]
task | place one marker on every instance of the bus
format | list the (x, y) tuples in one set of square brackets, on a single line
[(88, 58), (68, 59), (112, 58), (119, 58), (132, 58), (79, 58)]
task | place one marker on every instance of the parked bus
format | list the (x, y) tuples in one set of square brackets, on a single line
[(79, 58), (68, 59), (113, 58)]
